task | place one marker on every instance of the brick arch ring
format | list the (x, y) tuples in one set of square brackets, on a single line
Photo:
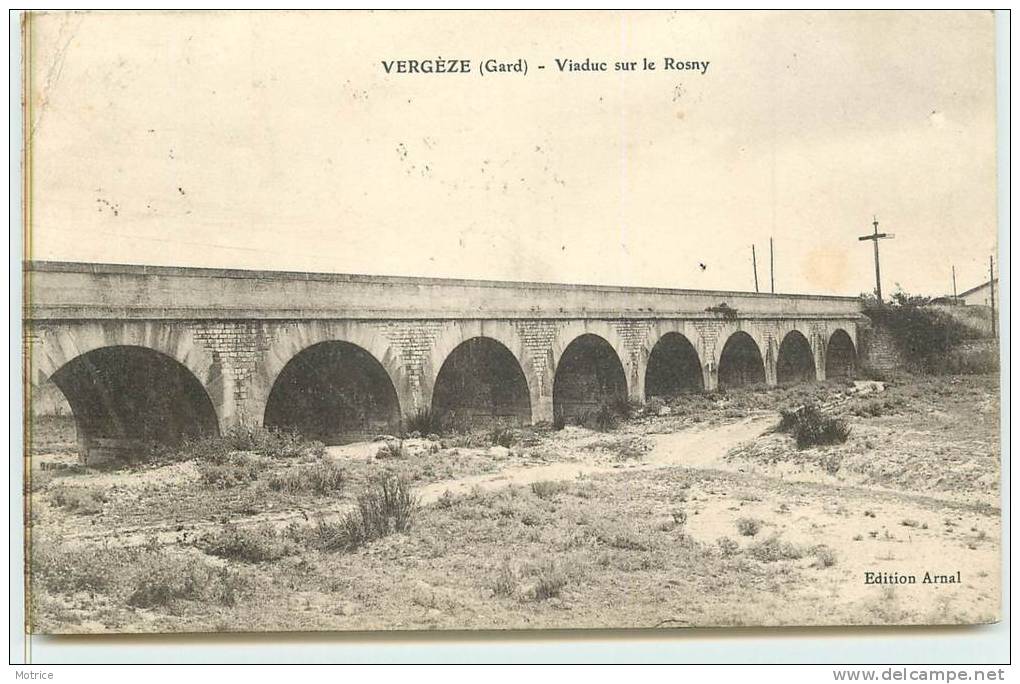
[(455, 333), (58, 346), (571, 331), (292, 340)]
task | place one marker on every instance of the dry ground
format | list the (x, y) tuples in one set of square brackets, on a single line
[(696, 518)]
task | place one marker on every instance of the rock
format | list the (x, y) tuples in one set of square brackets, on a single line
[(665, 411), (416, 448), (385, 451), (434, 614), (868, 386), (499, 452), (384, 438)]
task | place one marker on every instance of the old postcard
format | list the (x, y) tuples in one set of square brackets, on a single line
[(510, 320)]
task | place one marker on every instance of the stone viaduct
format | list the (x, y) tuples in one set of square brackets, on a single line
[(162, 352)]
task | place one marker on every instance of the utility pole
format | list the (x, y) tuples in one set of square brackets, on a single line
[(955, 298), (875, 237), (754, 265), (991, 285), (772, 266)]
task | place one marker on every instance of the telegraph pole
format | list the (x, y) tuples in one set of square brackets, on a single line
[(754, 265), (772, 266), (875, 237), (991, 291), (955, 298)]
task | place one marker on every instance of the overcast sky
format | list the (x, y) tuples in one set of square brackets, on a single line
[(278, 141)]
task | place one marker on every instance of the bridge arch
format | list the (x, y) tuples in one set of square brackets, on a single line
[(795, 360), (477, 356), (336, 392), (673, 367), (352, 349), (740, 361), (56, 346), (481, 383), (840, 355), (125, 396), (588, 372)]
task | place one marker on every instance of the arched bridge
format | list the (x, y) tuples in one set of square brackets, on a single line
[(158, 352)]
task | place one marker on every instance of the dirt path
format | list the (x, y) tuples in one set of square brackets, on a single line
[(699, 447)]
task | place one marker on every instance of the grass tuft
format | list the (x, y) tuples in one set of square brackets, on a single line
[(774, 549), (247, 544), (84, 500), (231, 470), (749, 527), (324, 477), (386, 507), (424, 421)]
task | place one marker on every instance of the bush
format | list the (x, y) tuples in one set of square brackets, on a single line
[(82, 499), (775, 549), (727, 547), (391, 448), (873, 408), (926, 336), (653, 406), (621, 535), (810, 427), (549, 582), (971, 362), (559, 422), (324, 477), (269, 442), (606, 418), (387, 507), (679, 516), (748, 527), (502, 436), (824, 556), (144, 576), (424, 421), (546, 489), (504, 584), (66, 569), (232, 470), (248, 544), (162, 579), (832, 463)]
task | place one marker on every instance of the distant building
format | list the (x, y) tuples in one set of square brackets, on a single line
[(980, 295)]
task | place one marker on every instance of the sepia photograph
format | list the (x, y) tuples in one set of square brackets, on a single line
[(404, 321)]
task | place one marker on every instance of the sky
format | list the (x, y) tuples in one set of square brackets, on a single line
[(278, 141)]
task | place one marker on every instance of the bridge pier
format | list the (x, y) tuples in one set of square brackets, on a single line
[(710, 376), (771, 370), (818, 341), (542, 411)]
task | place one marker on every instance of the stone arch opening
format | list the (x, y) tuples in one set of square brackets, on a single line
[(122, 396), (673, 367), (335, 392), (840, 356), (740, 363), (588, 375), (795, 361), (481, 383)]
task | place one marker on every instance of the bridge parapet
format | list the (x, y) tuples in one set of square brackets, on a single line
[(61, 290)]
